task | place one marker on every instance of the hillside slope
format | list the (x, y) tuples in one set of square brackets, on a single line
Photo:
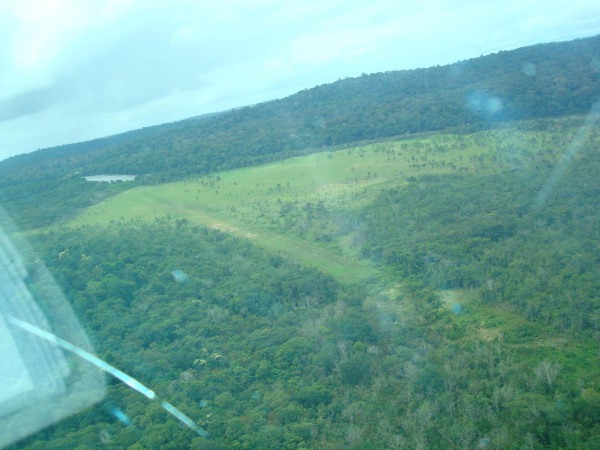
[(473, 325), (538, 81)]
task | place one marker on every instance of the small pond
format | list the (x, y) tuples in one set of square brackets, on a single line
[(110, 178)]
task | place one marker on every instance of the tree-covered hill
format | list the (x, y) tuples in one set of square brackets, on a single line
[(539, 81), (487, 232)]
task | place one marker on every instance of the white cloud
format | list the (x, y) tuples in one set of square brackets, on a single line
[(43, 36)]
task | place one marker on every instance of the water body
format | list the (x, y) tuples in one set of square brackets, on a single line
[(110, 178)]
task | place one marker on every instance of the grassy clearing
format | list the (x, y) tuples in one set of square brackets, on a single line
[(283, 206), (277, 206)]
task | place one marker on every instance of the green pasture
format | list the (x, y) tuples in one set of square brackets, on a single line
[(255, 202)]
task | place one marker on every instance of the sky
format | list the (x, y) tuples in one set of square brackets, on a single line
[(74, 70)]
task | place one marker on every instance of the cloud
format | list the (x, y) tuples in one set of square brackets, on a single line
[(45, 35), (28, 102)]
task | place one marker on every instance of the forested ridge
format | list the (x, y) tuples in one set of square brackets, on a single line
[(545, 80)]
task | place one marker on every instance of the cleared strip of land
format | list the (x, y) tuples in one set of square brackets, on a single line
[(274, 204)]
